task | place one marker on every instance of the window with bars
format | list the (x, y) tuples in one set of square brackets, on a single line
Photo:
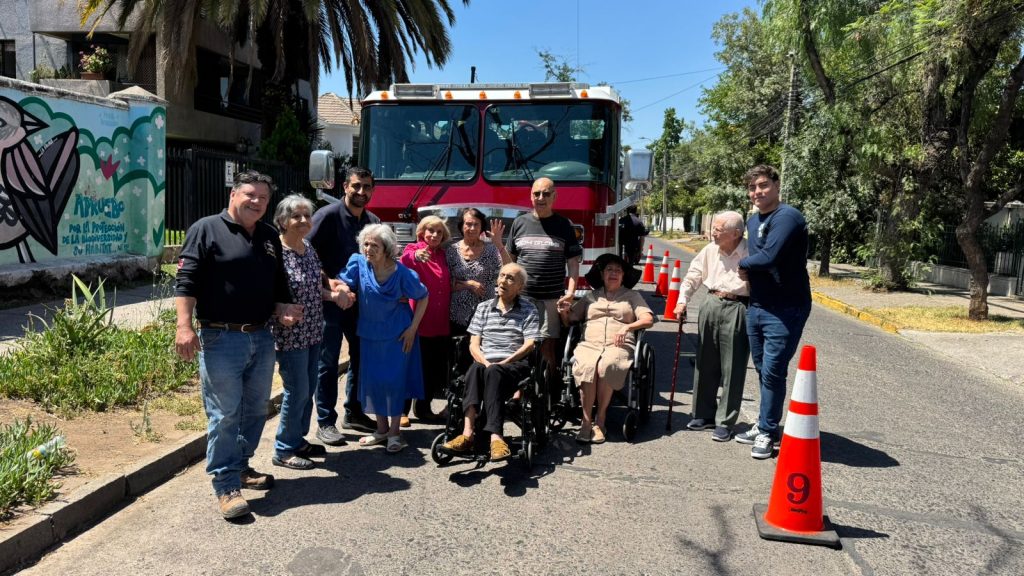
[(8, 59)]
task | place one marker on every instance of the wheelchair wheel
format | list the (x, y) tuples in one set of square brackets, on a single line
[(630, 425), (435, 450), (646, 380), (527, 454)]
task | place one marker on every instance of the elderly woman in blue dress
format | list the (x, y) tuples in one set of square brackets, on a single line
[(389, 352), (298, 345)]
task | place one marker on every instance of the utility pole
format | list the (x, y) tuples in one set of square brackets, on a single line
[(787, 126), (664, 191)]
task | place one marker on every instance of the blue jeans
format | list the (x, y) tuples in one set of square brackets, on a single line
[(774, 335), (236, 370), (298, 369), (337, 323)]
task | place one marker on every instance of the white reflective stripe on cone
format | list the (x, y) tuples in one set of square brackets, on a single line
[(801, 426), (805, 389)]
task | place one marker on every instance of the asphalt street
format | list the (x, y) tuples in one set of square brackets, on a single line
[(921, 471)]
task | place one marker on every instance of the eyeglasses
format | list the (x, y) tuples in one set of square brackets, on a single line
[(543, 194), (357, 186)]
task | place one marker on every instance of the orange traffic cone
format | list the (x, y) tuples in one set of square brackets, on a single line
[(661, 289), (648, 276), (673, 295), (794, 511)]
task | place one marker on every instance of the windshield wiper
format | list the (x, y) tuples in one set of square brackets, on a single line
[(446, 156), (517, 154)]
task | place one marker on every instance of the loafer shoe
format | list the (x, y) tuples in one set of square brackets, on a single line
[(254, 480), (461, 444), (358, 421), (699, 424), (295, 462), (330, 435), (404, 422), (598, 435), (499, 451), (232, 505)]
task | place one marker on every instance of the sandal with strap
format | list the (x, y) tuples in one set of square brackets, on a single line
[(396, 444), (374, 439)]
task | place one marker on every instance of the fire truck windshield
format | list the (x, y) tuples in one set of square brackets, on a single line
[(565, 142), (421, 142)]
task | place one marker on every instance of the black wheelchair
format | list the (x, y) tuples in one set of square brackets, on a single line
[(637, 394), (529, 413)]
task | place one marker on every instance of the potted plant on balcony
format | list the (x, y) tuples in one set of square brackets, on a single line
[(95, 64)]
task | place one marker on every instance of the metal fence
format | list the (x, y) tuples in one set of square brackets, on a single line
[(1003, 247), (198, 184)]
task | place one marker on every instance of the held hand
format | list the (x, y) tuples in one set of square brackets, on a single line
[(408, 337), (290, 314), (475, 287), (186, 343), (497, 231), (567, 299), (620, 337), (743, 274), (563, 306), (342, 299), (423, 255)]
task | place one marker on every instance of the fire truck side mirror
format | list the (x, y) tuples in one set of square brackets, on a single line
[(321, 169), (637, 167)]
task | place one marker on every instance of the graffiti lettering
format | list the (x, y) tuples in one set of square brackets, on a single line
[(86, 206)]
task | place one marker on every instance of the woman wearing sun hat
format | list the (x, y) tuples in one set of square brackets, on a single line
[(613, 311)]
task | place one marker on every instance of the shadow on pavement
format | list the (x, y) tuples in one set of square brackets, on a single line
[(854, 532), (358, 471), (840, 450)]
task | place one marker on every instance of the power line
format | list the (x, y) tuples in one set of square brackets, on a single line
[(691, 86), (669, 75)]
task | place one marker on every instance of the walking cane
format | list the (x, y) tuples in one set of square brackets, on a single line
[(675, 370)]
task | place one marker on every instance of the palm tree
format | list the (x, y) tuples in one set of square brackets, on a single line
[(372, 42)]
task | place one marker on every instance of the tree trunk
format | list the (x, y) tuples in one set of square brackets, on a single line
[(825, 250), (966, 236)]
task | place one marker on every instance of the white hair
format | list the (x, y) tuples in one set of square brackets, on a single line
[(384, 234), (731, 219)]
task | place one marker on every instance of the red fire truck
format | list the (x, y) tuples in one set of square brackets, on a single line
[(436, 149)]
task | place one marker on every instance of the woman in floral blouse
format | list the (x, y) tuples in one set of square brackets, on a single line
[(298, 346)]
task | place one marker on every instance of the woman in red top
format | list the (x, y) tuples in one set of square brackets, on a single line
[(427, 258)]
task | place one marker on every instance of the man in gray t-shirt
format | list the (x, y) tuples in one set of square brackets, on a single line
[(545, 244)]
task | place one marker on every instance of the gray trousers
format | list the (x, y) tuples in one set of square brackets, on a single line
[(722, 353)]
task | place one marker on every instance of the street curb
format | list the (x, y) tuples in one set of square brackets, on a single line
[(92, 502), (843, 307)]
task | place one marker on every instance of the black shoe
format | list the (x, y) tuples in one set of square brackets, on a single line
[(329, 435), (313, 450), (699, 424), (358, 421), (294, 462)]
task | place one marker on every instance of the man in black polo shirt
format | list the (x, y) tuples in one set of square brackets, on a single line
[(333, 236), (231, 275)]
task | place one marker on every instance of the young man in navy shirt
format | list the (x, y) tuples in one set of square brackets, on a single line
[(780, 299)]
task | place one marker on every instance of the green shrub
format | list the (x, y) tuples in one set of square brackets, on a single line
[(82, 362), (26, 474)]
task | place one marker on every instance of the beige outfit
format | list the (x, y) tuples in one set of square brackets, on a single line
[(596, 354), (717, 271)]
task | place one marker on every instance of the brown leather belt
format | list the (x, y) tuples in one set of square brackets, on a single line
[(730, 296), (247, 328)]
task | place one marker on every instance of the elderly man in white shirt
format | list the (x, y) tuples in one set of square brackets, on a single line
[(723, 348)]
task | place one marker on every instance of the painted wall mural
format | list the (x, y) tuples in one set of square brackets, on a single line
[(80, 177)]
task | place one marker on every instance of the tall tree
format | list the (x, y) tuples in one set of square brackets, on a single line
[(558, 69), (372, 42)]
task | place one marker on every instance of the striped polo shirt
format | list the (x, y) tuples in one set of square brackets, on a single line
[(502, 334)]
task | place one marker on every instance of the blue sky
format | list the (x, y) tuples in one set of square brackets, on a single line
[(619, 42)]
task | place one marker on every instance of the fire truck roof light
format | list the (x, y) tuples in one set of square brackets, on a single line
[(414, 90), (553, 89)]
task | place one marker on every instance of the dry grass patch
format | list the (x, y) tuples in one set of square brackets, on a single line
[(818, 282), (945, 319)]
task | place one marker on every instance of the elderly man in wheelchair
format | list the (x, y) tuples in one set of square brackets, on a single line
[(503, 333), (613, 313)]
